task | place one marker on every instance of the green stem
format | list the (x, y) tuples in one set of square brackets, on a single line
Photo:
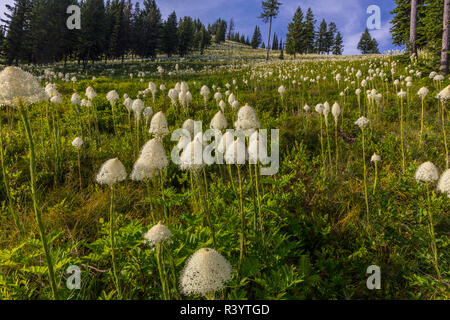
[(433, 238), (241, 206), (365, 178), (111, 239), (51, 272)]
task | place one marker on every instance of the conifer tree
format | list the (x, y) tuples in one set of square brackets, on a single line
[(308, 32), (338, 47), (270, 10), (257, 38), (170, 35)]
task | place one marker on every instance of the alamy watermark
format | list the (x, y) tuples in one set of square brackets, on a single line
[(374, 281), (74, 21), (374, 20)]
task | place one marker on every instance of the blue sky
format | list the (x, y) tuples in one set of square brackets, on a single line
[(349, 15)]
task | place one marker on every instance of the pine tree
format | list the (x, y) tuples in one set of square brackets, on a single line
[(338, 47), (308, 32), (170, 35), (367, 44), (263, 46), (92, 42), (270, 10), (221, 32), (321, 41), (149, 35), (294, 37), (205, 39), (330, 37), (185, 35), (230, 34), (17, 26), (275, 42), (257, 38)]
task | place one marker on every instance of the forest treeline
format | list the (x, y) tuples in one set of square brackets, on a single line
[(35, 31)]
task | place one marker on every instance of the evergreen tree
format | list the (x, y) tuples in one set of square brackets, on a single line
[(294, 38), (257, 38), (17, 26), (338, 47), (270, 10), (308, 32), (367, 44), (263, 46), (275, 42), (185, 35), (205, 39), (282, 50), (321, 41), (92, 42), (221, 32), (330, 37), (230, 34), (149, 35), (170, 35), (243, 40)]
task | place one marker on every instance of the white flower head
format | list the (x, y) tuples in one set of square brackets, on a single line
[(159, 126), (18, 86), (157, 234), (77, 142), (362, 122), (247, 119), (219, 122), (151, 160), (112, 171), (423, 92), (375, 158), (444, 183), (205, 272), (112, 97), (336, 111), (427, 172), (75, 99)]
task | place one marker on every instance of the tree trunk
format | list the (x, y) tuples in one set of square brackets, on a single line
[(268, 42), (413, 27), (445, 35)]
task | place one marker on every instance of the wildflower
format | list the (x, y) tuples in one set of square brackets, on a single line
[(427, 172), (247, 119), (77, 142), (148, 112), (306, 108), (422, 92), (444, 95), (375, 158), (151, 160), (75, 99), (222, 105), (189, 125), (336, 111), (219, 122), (137, 107), (159, 233), (18, 86), (444, 183), (159, 126), (112, 171), (362, 122), (192, 156), (205, 273), (112, 97), (90, 93)]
